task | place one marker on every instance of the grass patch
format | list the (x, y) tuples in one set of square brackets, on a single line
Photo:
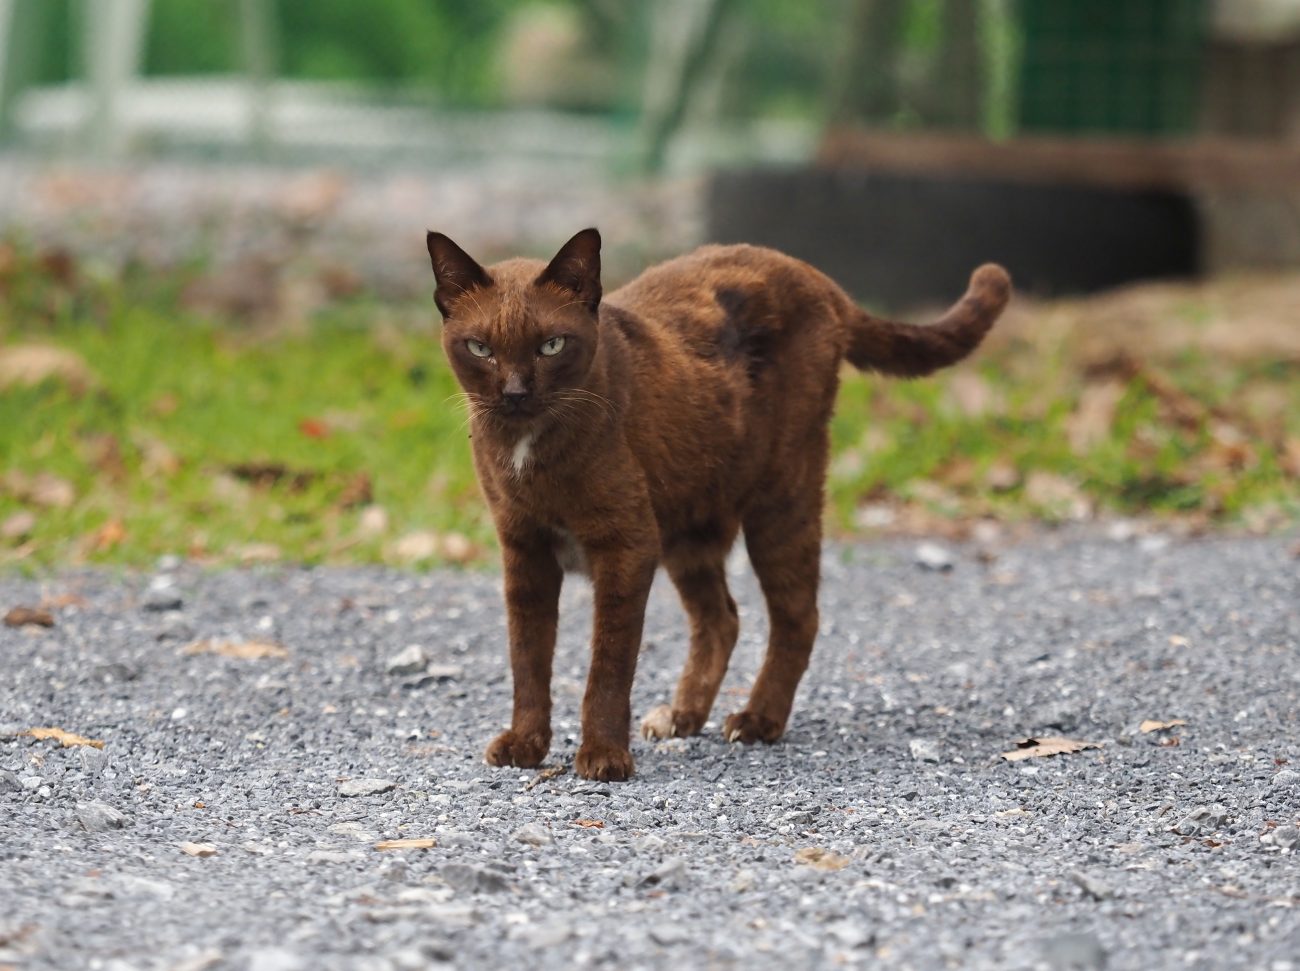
[(333, 441)]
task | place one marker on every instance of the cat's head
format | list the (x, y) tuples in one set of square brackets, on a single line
[(519, 334)]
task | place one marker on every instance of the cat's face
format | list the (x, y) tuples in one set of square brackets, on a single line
[(520, 336)]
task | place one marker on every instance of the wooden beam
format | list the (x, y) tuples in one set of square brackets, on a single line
[(1196, 163)]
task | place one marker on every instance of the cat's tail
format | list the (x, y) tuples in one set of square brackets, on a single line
[(912, 350)]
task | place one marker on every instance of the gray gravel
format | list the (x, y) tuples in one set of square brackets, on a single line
[(885, 829)]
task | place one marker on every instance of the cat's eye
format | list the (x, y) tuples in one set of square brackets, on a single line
[(551, 347), (478, 348)]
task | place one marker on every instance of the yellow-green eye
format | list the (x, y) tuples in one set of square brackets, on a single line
[(478, 349), (552, 347)]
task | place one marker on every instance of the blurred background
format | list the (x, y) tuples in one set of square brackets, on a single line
[(214, 304)]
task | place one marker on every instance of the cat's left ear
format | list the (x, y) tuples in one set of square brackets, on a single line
[(576, 268)]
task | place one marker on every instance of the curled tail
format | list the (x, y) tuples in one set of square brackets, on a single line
[(911, 350)]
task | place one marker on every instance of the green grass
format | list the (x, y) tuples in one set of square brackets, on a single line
[(356, 410)]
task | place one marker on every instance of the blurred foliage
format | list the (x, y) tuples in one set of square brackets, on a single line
[(134, 423)]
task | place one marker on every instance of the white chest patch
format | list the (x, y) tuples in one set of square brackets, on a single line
[(521, 452)]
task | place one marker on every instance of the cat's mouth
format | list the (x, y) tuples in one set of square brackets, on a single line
[(516, 411)]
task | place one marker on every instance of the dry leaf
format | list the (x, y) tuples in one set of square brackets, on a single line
[(201, 850), (66, 739), (30, 364), (242, 650), (406, 844), (59, 600), (820, 859), (589, 823), (42, 489), (358, 491), (416, 546), (1092, 420), (1037, 748), (19, 525), (257, 553), (1151, 725), (29, 616), (108, 536)]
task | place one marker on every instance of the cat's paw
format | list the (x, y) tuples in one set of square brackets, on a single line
[(666, 722), (603, 762), (523, 750), (748, 727)]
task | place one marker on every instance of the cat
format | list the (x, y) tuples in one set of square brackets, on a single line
[(616, 434)]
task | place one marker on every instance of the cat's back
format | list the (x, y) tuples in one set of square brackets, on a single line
[(735, 306)]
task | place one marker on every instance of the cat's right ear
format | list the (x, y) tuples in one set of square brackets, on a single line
[(455, 270)]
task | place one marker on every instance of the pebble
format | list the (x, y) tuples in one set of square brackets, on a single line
[(410, 660), (1286, 778), (669, 875), (1286, 837), (1092, 885), (333, 856), (932, 556), (669, 933), (1074, 952), (924, 749), (99, 817), (1201, 821), (9, 782), (472, 879), (531, 834), (366, 787), (276, 959)]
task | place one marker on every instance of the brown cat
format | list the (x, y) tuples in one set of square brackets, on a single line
[(650, 427)]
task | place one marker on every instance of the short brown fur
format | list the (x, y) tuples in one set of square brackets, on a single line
[(682, 409)]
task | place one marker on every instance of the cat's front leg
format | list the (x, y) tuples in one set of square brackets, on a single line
[(532, 581), (621, 576)]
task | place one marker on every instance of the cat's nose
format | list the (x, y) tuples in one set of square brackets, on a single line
[(515, 392)]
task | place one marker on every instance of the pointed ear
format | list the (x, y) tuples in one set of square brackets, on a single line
[(455, 271), (576, 268)]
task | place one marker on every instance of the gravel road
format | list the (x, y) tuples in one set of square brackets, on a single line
[(231, 818)]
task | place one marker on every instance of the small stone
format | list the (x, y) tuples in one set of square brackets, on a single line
[(668, 933), (799, 817), (332, 856), (366, 787), (932, 556), (743, 881), (411, 660), (200, 850), (1074, 952), (1286, 778), (548, 935), (850, 934), (161, 601), (532, 834), (1201, 821), (276, 959), (99, 817), (924, 749), (1286, 837), (1093, 886), (9, 782), (670, 875), (472, 879)]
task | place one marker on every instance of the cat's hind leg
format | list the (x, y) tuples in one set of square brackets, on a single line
[(783, 537), (702, 585)]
